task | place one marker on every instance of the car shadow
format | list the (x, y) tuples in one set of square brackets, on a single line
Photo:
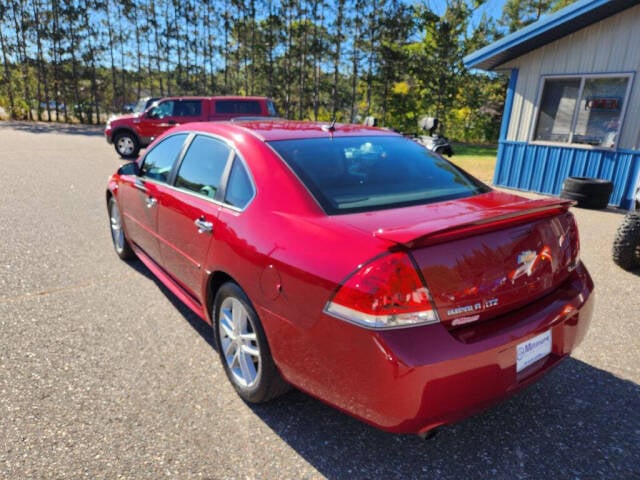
[(51, 127), (194, 320), (577, 422)]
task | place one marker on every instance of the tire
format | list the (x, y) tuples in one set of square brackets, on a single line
[(119, 239), (243, 348), (626, 245), (587, 192), (126, 144)]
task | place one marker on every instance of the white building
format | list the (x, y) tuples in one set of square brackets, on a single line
[(573, 103)]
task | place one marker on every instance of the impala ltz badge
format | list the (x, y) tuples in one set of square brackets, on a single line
[(472, 308)]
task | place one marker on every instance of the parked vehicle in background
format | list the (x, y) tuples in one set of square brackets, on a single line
[(53, 105), (354, 264), (130, 133), (626, 245), (434, 141)]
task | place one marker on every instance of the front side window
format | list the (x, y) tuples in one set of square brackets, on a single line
[(583, 110), (159, 160), (203, 165), (162, 110), (359, 174)]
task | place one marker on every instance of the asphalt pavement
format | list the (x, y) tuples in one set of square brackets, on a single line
[(104, 374)]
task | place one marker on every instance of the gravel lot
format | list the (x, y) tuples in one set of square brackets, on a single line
[(103, 374)]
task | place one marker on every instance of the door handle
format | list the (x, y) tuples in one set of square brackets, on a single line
[(151, 202), (203, 225), (140, 186)]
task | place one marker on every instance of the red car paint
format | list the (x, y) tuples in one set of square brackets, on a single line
[(291, 258)]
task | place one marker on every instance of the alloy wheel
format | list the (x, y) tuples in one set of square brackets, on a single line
[(239, 342), (117, 234)]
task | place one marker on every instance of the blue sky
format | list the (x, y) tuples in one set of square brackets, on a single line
[(493, 8)]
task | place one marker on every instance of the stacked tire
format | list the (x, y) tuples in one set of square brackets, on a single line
[(626, 245), (587, 192)]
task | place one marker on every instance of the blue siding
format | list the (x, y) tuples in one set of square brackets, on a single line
[(543, 168)]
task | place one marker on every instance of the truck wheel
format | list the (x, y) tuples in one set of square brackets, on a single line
[(126, 145), (626, 245)]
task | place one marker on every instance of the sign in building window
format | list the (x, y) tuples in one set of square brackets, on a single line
[(584, 110)]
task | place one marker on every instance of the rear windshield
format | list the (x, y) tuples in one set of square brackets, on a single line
[(355, 174)]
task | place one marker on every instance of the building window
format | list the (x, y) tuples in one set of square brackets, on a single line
[(584, 110)]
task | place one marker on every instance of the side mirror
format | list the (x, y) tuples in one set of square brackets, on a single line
[(130, 168)]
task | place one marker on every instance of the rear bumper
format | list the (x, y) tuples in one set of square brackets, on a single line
[(415, 379)]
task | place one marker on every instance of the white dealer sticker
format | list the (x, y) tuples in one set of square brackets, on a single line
[(533, 350)]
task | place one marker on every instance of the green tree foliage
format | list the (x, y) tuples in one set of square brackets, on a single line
[(81, 60), (517, 14)]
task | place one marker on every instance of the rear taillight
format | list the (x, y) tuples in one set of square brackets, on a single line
[(385, 293), (575, 242)]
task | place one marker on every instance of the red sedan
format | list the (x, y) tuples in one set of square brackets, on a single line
[(355, 265)]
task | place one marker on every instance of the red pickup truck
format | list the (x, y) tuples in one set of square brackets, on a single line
[(130, 133)]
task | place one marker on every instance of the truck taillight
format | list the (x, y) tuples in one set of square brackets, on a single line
[(385, 293)]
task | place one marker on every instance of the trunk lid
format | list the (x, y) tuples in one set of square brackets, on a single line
[(486, 255)]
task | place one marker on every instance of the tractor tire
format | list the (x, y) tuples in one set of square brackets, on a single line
[(626, 245)]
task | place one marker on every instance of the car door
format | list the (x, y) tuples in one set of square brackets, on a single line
[(187, 223), (139, 195), (157, 120)]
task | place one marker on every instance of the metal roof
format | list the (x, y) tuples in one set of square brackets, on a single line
[(546, 30)]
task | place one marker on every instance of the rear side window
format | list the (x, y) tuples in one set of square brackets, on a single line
[(159, 160), (243, 107), (355, 174), (239, 189), (187, 108), (203, 165)]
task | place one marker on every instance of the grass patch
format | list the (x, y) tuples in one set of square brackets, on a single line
[(478, 160)]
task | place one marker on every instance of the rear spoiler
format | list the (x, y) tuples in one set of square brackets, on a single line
[(442, 230)]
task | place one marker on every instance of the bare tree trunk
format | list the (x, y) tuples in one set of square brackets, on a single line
[(337, 57), (41, 76), (372, 49), (303, 71), (271, 44), (154, 19), (317, 49), (19, 20), (252, 47), (112, 40), (7, 72), (225, 48), (92, 62), (136, 12), (287, 58), (355, 60)]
